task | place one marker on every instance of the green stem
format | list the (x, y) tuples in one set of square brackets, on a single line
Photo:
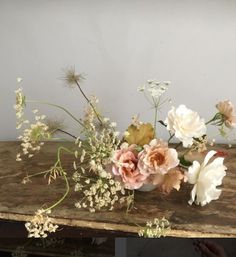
[(64, 176), (60, 107), (155, 121), (63, 197), (213, 119)]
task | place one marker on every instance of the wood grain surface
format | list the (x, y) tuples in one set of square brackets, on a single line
[(18, 202)]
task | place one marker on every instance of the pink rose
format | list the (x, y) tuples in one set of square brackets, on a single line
[(226, 108), (126, 166), (157, 158)]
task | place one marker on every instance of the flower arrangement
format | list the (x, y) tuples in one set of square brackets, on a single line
[(109, 166)]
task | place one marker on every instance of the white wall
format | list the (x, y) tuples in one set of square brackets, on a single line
[(119, 45)]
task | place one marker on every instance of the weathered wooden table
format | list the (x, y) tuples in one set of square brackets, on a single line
[(18, 202)]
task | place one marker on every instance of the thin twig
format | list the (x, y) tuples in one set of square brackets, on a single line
[(89, 102), (67, 133)]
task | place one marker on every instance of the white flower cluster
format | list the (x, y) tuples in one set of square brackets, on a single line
[(19, 108), (94, 156), (99, 192), (40, 225), (32, 137), (155, 228), (155, 88), (99, 146)]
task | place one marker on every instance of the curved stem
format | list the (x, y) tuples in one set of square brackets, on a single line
[(213, 119), (89, 102), (63, 197), (60, 107), (64, 176)]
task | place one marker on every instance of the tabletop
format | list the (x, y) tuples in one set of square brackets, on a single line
[(18, 201)]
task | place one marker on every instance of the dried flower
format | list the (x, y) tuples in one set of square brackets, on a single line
[(32, 137), (226, 109), (19, 107), (155, 229), (40, 225), (140, 135), (71, 78)]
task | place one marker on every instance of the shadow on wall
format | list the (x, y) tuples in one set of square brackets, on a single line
[(172, 247)]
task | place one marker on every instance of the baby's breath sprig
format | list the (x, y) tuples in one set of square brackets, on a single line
[(155, 229)]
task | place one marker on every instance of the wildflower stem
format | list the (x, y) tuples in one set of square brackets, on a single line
[(67, 133), (38, 173), (60, 107), (171, 136), (213, 119), (89, 102), (63, 197), (155, 119), (64, 176), (178, 145)]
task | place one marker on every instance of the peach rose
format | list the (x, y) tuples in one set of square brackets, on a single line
[(226, 108), (126, 166), (157, 158)]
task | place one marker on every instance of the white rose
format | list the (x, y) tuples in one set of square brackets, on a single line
[(185, 124), (205, 178)]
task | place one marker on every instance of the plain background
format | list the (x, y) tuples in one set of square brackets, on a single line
[(118, 44)]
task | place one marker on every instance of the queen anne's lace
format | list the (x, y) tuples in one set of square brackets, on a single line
[(40, 225)]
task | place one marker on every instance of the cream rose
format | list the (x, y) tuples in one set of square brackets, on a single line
[(205, 178), (157, 158), (185, 124), (126, 166)]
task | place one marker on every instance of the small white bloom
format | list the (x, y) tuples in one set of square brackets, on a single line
[(186, 124), (126, 133), (116, 133), (19, 80), (106, 119), (141, 88), (205, 178), (113, 124)]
